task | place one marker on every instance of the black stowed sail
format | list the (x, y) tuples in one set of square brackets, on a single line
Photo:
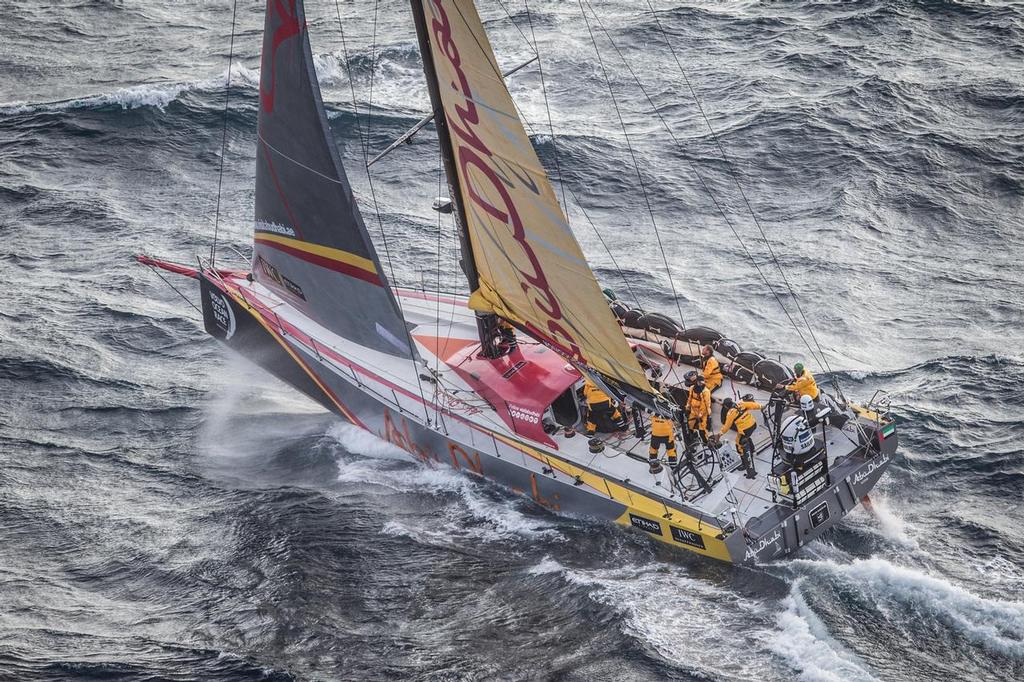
[(311, 243)]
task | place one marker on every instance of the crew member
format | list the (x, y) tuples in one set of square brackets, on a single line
[(506, 337), (739, 418), (601, 414), (698, 411), (712, 370), (804, 383), (662, 434)]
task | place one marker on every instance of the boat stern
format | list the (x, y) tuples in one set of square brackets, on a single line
[(786, 528)]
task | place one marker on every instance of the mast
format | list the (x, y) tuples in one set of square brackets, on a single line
[(485, 323)]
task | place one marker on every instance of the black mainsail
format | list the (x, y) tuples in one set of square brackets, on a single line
[(311, 245)]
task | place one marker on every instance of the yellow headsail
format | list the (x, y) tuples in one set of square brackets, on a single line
[(530, 267)]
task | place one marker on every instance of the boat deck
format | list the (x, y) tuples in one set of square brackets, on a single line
[(442, 325), (625, 456)]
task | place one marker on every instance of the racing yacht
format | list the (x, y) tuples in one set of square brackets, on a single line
[(423, 370)]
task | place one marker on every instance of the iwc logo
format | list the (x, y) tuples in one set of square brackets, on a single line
[(223, 316)]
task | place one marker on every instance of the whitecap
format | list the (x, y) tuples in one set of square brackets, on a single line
[(994, 624), (804, 641)]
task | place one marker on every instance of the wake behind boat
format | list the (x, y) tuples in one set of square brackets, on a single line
[(538, 380)]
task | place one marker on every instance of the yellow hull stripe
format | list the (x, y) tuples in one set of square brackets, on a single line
[(639, 504)]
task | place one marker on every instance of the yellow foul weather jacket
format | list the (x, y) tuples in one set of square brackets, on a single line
[(712, 373), (805, 385), (740, 417), (661, 427)]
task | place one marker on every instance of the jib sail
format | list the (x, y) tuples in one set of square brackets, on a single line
[(311, 245), (528, 266)]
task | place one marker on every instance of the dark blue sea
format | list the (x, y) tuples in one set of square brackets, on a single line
[(167, 511)]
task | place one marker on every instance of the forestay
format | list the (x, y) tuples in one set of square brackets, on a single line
[(530, 267), (311, 244)]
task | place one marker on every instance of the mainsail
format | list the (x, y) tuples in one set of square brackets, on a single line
[(311, 244), (528, 266)]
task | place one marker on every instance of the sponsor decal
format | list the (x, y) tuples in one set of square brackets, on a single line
[(513, 369), (223, 316), (523, 414), (287, 28), (753, 551), (277, 228), (876, 464), (271, 271), (687, 537), (820, 514), (643, 523)]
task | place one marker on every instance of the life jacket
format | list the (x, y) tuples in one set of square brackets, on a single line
[(661, 427)]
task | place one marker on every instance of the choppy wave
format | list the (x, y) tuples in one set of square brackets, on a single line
[(167, 512)]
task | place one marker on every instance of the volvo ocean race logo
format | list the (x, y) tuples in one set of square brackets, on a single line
[(754, 550), (223, 316), (862, 475)]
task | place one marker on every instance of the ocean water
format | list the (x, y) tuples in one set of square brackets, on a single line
[(169, 512)]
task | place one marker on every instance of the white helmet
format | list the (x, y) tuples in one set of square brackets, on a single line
[(806, 403)]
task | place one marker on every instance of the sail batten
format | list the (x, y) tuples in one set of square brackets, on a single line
[(310, 244), (526, 264)]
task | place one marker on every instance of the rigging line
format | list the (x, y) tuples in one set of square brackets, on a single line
[(732, 172), (351, 83), (558, 170), (636, 164), (175, 289), (373, 193), (437, 295), (224, 135), (547, 108), (526, 122), (625, 280), (705, 186)]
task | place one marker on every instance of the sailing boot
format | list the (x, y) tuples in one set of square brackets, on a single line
[(747, 457)]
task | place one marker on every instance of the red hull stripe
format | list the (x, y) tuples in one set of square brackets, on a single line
[(323, 261)]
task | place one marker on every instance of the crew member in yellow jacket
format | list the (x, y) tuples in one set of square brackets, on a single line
[(804, 384), (698, 411), (663, 434), (711, 368), (601, 414), (739, 418)]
